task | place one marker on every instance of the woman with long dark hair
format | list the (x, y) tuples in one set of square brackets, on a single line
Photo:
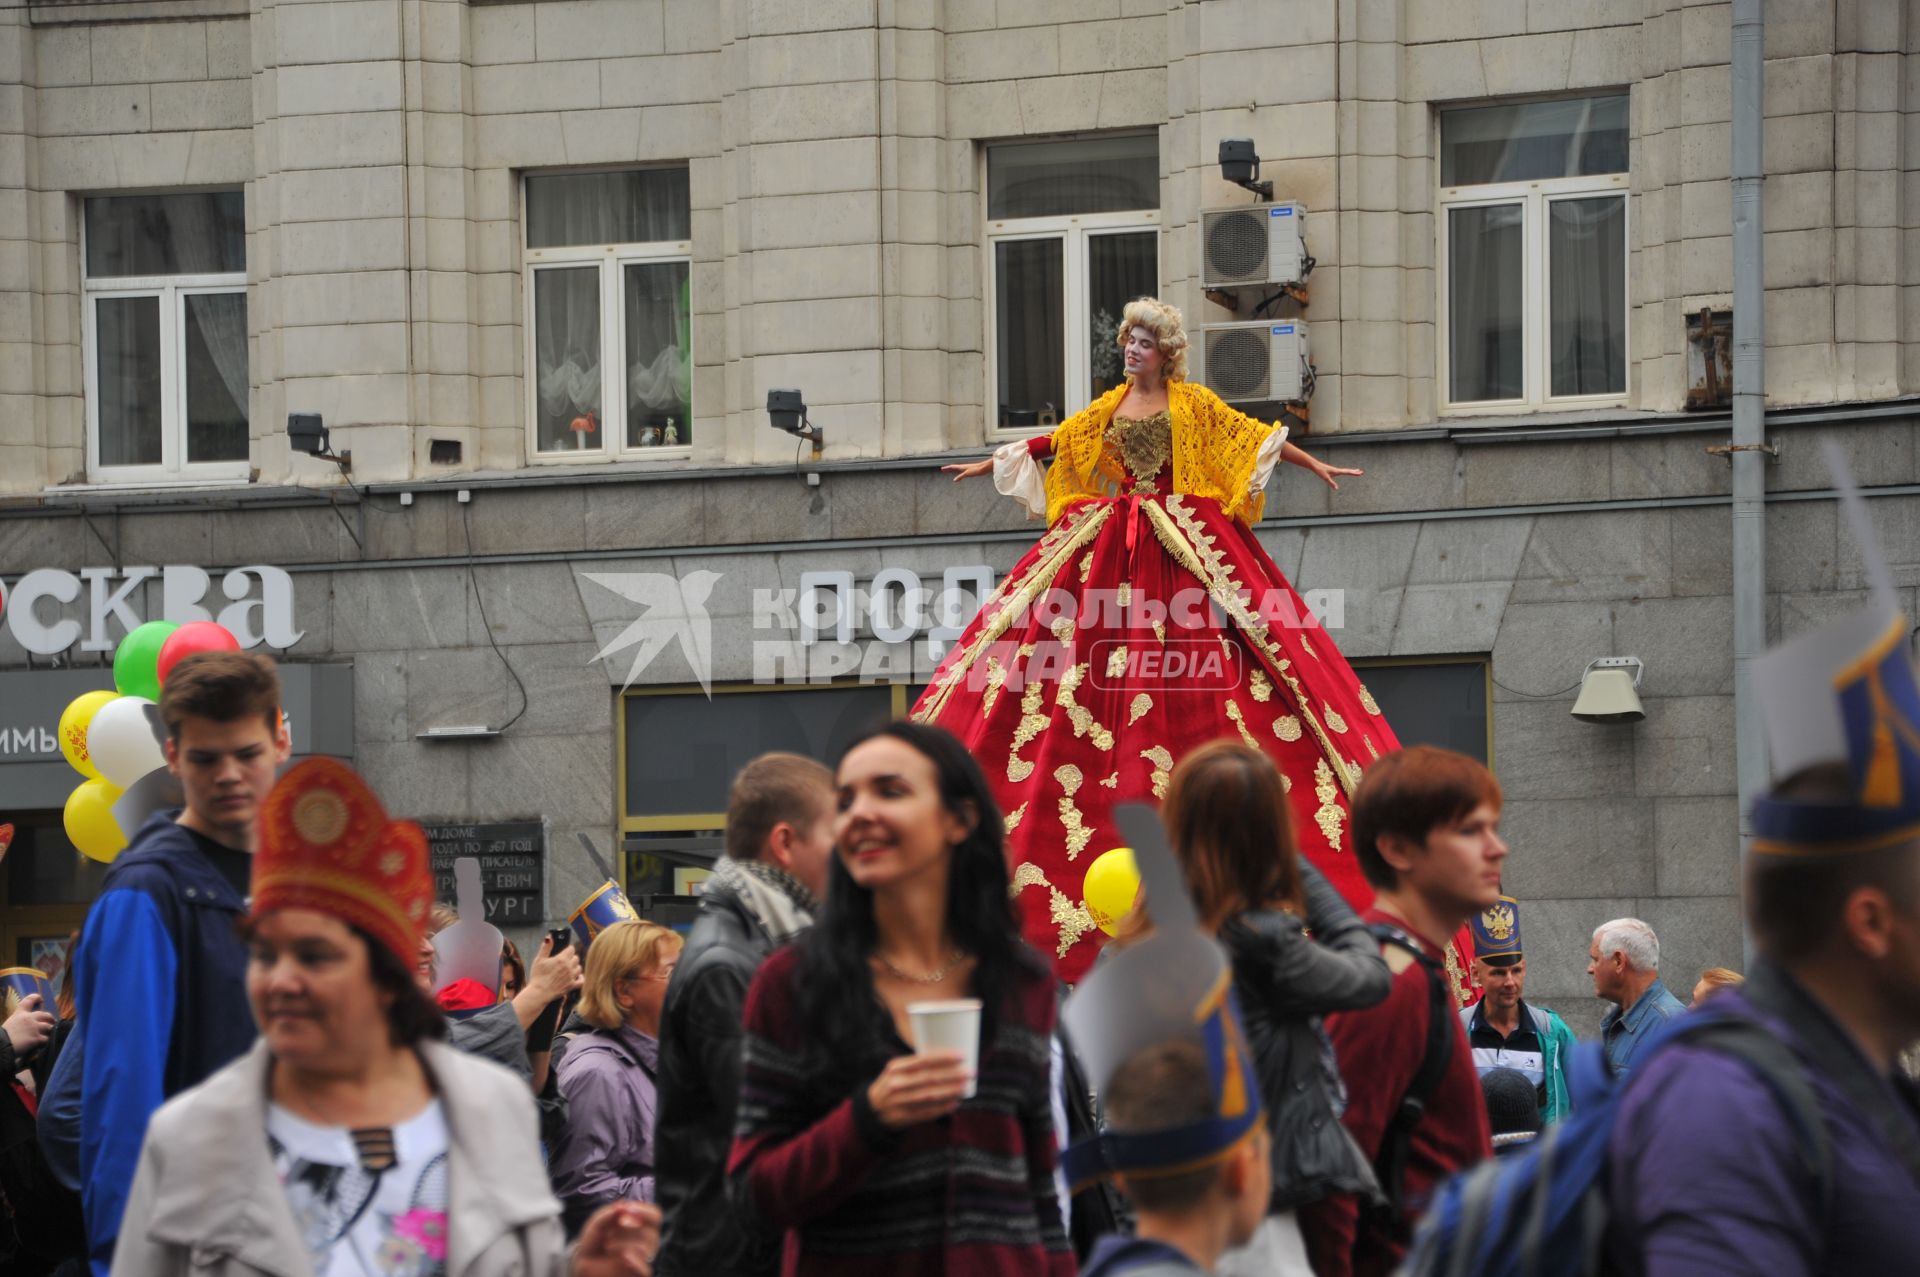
[(879, 1160), (1299, 951)]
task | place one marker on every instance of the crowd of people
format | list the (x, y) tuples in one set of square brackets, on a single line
[(258, 1072)]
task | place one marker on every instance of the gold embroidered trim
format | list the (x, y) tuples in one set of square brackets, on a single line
[(1162, 761), (1112, 782), (1193, 547), (1073, 920), (1078, 831), (1368, 742), (1233, 712), (1310, 652), (1329, 817), (1160, 632), (996, 679), (1260, 686), (1069, 535), (1013, 817), (1287, 728), (1080, 716), (1124, 595), (1117, 662), (1086, 566), (1367, 702), (1138, 710), (1462, 989), (1033, 721), (1144, 444), (1333, 718)]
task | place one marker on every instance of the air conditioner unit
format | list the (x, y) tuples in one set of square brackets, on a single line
[(1264, 361), (1254, 244)]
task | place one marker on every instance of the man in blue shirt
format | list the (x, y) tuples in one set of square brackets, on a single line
[(1624, 961), (160, 977)]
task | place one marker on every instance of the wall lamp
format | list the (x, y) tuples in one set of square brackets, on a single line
[(788, 411), (1240, 164), (308, 434), (1608, 692)]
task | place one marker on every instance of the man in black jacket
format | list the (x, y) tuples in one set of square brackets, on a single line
[(763, 892)]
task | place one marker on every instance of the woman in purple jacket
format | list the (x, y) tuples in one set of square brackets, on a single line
[(607, 1076)]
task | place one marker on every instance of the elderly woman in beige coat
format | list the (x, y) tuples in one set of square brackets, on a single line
[(351, 1141)]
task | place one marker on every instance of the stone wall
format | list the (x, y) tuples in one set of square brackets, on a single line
[(834, 152), (1542, 555)]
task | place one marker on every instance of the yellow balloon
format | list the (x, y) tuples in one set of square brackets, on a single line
[(74, 721), (1112, 883), (89, 821)]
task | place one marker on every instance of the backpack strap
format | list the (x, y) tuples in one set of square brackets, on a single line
[(1390, 1165)]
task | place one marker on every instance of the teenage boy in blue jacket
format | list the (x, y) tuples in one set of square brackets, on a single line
[(161, 970)]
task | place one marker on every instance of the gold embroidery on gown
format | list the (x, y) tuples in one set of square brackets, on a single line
[(1144, 445)]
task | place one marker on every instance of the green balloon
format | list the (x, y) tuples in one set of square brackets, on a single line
[(136, 663)]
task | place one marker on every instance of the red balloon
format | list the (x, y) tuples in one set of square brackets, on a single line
[(194, 636)]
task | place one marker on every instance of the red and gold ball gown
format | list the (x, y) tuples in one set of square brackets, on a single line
[(1146, 622)]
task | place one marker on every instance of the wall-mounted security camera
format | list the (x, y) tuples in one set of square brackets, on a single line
[(1240, 164), (307, 433)]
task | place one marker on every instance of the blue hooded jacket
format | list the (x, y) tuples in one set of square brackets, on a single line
[(162, 999)]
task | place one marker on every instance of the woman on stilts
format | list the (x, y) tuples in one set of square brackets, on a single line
[(1147, 621)]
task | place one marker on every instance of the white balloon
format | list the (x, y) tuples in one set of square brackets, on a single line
[(123, 742)]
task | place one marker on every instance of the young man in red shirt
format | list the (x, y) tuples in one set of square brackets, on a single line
[(1426, 831)]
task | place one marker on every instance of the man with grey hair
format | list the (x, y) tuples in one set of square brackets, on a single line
[(1624, 961)]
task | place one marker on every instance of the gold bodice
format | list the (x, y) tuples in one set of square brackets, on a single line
[(1144, 446)]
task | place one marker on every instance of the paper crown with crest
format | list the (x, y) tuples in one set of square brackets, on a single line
[(326, 844), (1174, 986), (606, 906), (1496, 933), (1844, 693)]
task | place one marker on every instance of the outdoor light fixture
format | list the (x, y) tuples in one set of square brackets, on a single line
[(788, 410), (1240, 164), (474, 731), (1607, 691), (308, 434)]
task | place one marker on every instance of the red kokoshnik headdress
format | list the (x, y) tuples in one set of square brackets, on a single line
[(326, 844)]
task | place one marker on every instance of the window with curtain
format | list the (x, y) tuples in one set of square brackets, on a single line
[(1533, 260), (166, 335), (1072, 236), (609, 264)]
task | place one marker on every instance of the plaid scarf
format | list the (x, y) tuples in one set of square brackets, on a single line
[(778, 901)]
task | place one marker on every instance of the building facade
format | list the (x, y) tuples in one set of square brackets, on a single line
[(535, 266)]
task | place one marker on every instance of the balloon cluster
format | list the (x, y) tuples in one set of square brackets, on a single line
[(109, 737)]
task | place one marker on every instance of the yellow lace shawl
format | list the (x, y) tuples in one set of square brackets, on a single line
[(1213, 452)]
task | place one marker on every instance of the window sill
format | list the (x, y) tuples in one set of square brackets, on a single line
[(598, 460), (189, 483)]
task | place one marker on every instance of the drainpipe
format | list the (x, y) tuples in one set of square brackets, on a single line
[(1748, 454)]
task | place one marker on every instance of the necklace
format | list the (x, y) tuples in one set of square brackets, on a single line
[(936, 977)]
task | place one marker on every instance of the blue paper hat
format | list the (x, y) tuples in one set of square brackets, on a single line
[(19, 982), (1496, 933), (1844, 693), (606, 906), (1174, 986)]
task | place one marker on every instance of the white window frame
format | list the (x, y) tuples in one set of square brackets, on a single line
[(611, 259), (172, 290), (1536, 334), (1074, 230)]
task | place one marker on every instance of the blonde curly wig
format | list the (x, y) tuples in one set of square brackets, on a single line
[(1168, 329)]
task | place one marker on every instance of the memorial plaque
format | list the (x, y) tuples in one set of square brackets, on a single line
[(512, 858)]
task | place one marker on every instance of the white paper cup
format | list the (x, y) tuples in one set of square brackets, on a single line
[(949, 1026)]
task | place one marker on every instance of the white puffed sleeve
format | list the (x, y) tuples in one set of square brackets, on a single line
[(1017, 474), (1266, 459)]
